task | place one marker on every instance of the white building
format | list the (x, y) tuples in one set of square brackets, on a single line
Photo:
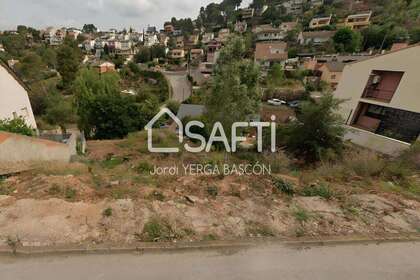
[(382, 105), (14, 98)]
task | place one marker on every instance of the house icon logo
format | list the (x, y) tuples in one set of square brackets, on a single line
[(149, 128)]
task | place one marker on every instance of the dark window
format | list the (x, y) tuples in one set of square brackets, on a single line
[(394, 123)]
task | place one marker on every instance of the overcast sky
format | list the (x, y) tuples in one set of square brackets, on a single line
[(104, 14)]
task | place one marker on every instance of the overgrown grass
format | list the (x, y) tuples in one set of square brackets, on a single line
[(301, 215), (259, 230), (284, 186), (321, 189), (160, 229)]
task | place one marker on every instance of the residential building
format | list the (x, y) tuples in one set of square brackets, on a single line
[(180, 42), (14, 97), (196, 54), (151, 30), (288, 26), (213, 48), (268, 53), (382, 107), (177, 33), (73, 33), (124, 47), (223, 34), (163, 39), (331, 73), (315, 37), (1, 48), (193, 40), (358, 21), (207, 37), (150, 40), (269, 33), (104, 67), (246, 14), (294, 7), (177, 54), (320, 22)]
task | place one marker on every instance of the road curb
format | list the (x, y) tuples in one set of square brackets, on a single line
[(150, 248)]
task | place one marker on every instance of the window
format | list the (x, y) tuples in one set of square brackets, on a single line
[(333, 77), (390, 122)]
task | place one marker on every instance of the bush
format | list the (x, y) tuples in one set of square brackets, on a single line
[(284, 186), (318, 130), (144, 167), (17, 126), (321, 190), (107, 212), (173, 106), (157, 229)]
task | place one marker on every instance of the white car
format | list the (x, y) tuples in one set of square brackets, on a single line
[(277, 102)]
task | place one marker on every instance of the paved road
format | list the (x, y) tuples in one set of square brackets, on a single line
[(180, 85), (386, 261)]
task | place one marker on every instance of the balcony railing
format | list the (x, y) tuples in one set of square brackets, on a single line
[(379, 94)]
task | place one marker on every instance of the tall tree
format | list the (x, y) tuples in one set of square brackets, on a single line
[(347, 40), (234, 94), (68, 62)]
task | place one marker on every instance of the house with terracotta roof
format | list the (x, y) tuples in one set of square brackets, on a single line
[(268, 53), (331, 72), (14, 96), (382, 104)]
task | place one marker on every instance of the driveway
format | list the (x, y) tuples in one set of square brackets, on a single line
[(396, 261), (181, 88)]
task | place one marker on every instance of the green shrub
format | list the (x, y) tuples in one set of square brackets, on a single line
[(70, 193), (284, 186), (17, 126), (321, 190), (301, 215), (107, 212), (157, 229), (144, 167)]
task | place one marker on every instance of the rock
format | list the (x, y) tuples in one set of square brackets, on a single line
[(317, 204), (396, 220), (376, 203)]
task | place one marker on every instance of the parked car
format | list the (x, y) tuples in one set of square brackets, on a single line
[(277, 102), (294, 104)]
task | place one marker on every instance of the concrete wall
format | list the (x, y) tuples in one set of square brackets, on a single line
[(14, 98), (376, 142), (17, 148)]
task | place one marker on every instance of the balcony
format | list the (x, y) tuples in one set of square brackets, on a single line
[(382, 85)]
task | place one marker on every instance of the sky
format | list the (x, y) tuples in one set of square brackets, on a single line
[(104, 14)]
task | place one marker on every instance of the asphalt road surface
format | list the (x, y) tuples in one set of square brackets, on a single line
[(180, 85), (385, 261)]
